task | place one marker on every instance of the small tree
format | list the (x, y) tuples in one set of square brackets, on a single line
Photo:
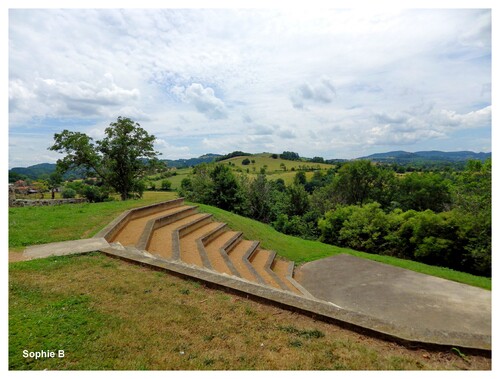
[(166, 185), (121, 159), (245, 162)]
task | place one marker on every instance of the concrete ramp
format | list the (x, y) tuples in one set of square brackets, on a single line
[(65, 248), (403, 297)]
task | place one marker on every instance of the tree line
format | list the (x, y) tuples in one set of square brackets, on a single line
[(440, 218)]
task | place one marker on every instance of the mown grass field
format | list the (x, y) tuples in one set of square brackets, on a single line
[(107, 314), (263, 160), (37, 225), (273, 165)]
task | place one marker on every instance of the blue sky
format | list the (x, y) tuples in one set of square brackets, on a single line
[(321, 82)]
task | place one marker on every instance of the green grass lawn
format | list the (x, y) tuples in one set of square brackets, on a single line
[(37, 225), (108, 314)]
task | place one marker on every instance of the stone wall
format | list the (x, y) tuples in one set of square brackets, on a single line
[(43, 202)]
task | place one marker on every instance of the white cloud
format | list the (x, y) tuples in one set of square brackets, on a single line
[(356, 77), (424, 123), (203, 99), (170, 151), (320, 92)]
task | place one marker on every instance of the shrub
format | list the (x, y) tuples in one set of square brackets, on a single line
[(68, 193), (95, 194), (166, 185), (245, 162)]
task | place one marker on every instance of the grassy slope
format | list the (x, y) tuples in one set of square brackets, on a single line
[(274, 171), (300, 250), (273, 164), (109, 314), (36, 225)]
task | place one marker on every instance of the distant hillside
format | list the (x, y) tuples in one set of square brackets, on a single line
[(419, 158), (422, 157), (35, 171), (178, 163)]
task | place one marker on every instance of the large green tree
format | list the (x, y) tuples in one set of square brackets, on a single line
[(121, 159)]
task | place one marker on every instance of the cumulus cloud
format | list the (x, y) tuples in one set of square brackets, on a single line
[(170, 151), (319, 92), (424, 123), (360, 77), (262, 130), (56, 98), (204, 100)]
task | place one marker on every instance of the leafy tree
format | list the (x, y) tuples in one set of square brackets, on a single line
[(55, 180), (318, 160), (300, 178), (421, 191), (121, 159), (290, 155), (260, 198), (226, 193), (41, 186), (214, 185), (297, 200), (14, 177), (366, 229), (166, 185), (361, 181)]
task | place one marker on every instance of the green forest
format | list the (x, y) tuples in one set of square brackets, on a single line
[(440, 217)]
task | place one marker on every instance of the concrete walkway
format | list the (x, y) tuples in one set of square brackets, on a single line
[(65, 248), (399, 296)]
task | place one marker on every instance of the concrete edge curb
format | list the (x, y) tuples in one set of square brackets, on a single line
[(271, 273), (114, 227), (246, 262), (224, 253), (110, 230), (176, 234), (289, 276), (200, 243), (312, 306)]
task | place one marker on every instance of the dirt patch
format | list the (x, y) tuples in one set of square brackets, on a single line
[(16, 256)]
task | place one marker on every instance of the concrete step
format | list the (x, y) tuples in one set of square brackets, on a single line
[(261, 260), (190, 251), (281, 268), (161, 241), (215, 249), (156, 223), (131, 232), (115, 227), (239, 253)]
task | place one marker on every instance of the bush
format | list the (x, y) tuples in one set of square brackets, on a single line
[(245, 162), (166, 185), (95, 194), (68, 193)]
